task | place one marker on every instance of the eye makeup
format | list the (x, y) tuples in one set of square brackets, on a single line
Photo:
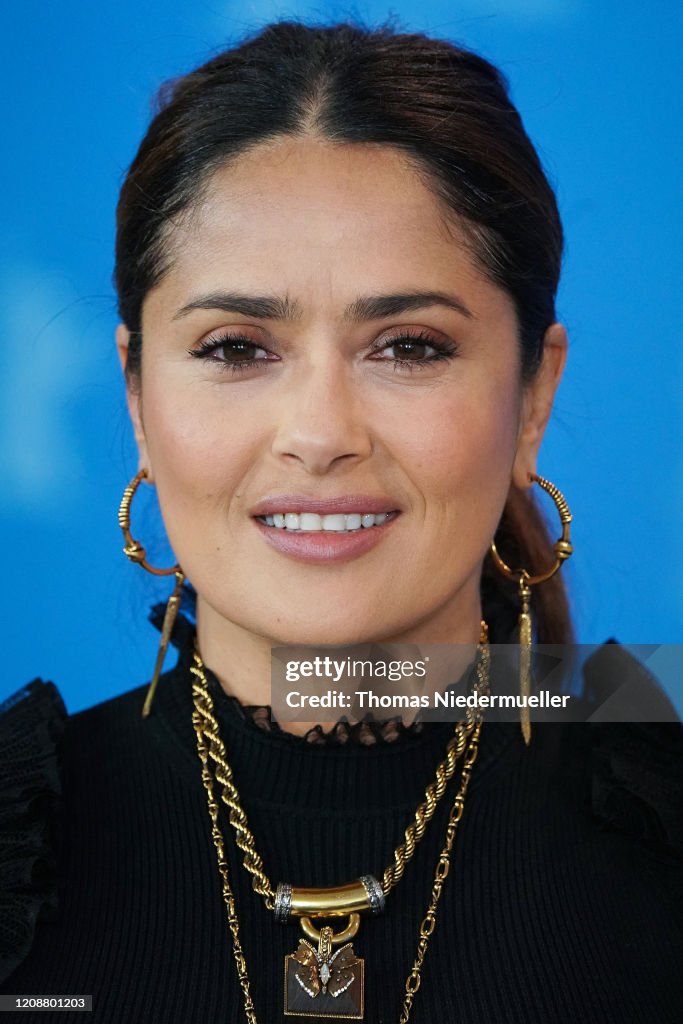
[(237, 353)]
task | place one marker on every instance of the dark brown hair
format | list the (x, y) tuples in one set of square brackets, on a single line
[(449, 112)]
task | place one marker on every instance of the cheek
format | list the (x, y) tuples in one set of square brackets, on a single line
[(462, 449), (200, 451), (468, 470)]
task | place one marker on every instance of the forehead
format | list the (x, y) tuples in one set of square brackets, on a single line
[(323, 221), (319, 194)]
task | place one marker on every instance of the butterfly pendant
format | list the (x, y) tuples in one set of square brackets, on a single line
[(323, 983)]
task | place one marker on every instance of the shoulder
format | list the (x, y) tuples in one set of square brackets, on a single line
[(636, 802), (637, 780), (622, 687), (32, 724), (53, 765), (102, 728), (635, 742)]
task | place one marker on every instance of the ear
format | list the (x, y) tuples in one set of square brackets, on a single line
[(134, 400), (537, 404)]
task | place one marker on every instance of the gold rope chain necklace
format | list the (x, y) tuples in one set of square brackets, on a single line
[(321, 982)]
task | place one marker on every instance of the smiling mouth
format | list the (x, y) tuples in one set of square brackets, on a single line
[(311, 522)]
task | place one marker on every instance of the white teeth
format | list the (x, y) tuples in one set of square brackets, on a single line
[(311, 522), (336, 523)]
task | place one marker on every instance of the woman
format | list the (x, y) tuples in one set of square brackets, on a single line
[(337, 258)]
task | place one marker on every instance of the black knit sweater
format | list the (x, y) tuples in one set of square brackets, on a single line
[(564, 902)]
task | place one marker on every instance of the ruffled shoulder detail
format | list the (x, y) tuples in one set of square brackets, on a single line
[(637, 782), (32, 721), (637, 766)]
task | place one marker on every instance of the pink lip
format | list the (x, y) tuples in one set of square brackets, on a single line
[(323, 506), (324, 546)]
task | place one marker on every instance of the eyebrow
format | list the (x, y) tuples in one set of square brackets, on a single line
[(368, 307)]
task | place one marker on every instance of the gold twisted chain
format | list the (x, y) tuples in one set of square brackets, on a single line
[(466, 739), (425, 812), (238, 819), (228, 894), (205, 723), (443, 865)]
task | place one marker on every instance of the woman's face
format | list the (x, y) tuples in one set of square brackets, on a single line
[(375, 370)]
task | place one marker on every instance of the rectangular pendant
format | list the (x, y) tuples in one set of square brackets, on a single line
[(324, 987)]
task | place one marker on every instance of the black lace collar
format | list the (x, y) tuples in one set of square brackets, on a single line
[(367, 732)]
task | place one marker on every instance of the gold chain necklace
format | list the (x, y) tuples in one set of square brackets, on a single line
[(320, 982)]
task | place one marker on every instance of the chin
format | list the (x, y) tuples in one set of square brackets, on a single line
[(338, 637), (333, 633)]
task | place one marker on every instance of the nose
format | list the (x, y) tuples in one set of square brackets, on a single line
[(320, 420)]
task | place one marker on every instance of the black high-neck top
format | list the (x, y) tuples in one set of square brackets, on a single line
[(564, 901)]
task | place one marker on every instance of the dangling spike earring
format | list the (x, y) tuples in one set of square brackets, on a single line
[(563, 549), (525, 636), (136, 552)]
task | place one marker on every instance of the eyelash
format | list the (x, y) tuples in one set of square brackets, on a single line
[(442, 351)]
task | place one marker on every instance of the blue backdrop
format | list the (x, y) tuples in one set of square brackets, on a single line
[(599, 90)]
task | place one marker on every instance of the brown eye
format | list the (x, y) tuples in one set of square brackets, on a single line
[(233, 351), (415, 351), (409, 349), (238, 350)]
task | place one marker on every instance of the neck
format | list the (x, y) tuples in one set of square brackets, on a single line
[(241, 658)]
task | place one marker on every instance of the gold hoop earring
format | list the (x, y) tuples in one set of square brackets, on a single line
[(136, 553), (563, 549)]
